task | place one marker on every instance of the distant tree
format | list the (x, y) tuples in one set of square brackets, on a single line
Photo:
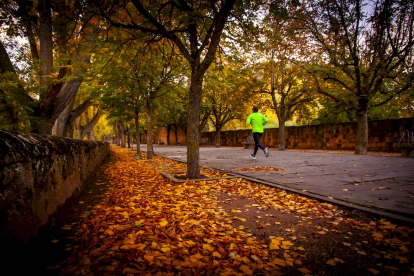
[(227, 93)]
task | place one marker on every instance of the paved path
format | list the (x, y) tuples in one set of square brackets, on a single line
[(374, 183)]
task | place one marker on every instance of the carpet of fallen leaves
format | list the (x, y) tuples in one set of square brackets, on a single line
[(148, 225)]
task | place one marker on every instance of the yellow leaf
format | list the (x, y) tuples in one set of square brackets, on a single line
[(208, 247), (331, 262), (301, 248), (216, 254), (339, 260), (163, 223), (246, 269), (378, 236), (287, 243), (304, 270), (149, 258), (279, 262), (109, 232), (277, 222), (273, 246), (198, 256), (246, 259), (373, 271)]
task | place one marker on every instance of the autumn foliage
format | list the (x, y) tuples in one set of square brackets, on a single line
[(149, 225)]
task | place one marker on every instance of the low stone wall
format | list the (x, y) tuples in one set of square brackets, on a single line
[(381, 135), (37, 174)]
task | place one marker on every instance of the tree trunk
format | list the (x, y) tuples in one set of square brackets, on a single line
[(86, 129), (46, 45), (175, 129), (361, 145), (168, 133), (120, 134), (217, 136), (69, 115), (193, 147), (281, 144), (137, 134), (148, 110), (79, 127)]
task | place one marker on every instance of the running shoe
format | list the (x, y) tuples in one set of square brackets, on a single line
[(252, 156), (266, 151)]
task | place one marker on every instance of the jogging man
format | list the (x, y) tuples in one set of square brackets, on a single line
[(257, 120)]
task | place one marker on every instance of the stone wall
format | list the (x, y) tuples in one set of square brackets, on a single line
[(37, 174), (381, 135)]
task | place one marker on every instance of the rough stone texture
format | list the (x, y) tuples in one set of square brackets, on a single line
[(37, 174), (381, 136)]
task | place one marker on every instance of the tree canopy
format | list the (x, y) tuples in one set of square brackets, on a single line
[(194, 65)]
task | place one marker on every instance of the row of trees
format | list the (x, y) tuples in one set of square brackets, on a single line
[(184, 64)]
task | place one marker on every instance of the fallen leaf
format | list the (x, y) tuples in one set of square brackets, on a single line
[(304, 270), (246, 270), (373, 271)]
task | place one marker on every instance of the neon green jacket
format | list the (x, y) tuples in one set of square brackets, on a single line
[(257, 120)]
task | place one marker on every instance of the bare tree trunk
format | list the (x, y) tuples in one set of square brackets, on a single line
[(86, 129), (137, 133), (361, 145), (281, 144), (148, 110), (121, 134), (176, 134), (217, 137), (46, 46), (193, 147), (168, 134)]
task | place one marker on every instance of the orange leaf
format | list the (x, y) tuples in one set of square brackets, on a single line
[(246, 270), (304, 270)]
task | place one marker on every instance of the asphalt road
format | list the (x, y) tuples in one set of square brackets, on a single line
[(378, 184)]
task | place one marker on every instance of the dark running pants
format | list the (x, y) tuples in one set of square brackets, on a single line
[(257, 145)]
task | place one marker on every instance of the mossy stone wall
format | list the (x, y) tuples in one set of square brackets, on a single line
[(37, 174)]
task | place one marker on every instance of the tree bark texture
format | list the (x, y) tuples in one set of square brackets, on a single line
[(361, 144), (89, 126), (193, 147), (149, 110), (281, 144), (137, 134), (217, 137), (46, 45)]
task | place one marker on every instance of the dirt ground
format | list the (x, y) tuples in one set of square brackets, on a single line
[(348, 242)]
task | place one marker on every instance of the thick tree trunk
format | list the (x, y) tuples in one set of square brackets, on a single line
[(69, 115), (89, 126), (361, 145), (193, 147), (46, 46), (148, 110), (281, 144), (120, 134), (217, 137)]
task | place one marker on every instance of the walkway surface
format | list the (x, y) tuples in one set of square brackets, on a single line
[(378, 184)]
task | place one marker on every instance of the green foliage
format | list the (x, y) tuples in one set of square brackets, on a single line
[(15, 108)]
